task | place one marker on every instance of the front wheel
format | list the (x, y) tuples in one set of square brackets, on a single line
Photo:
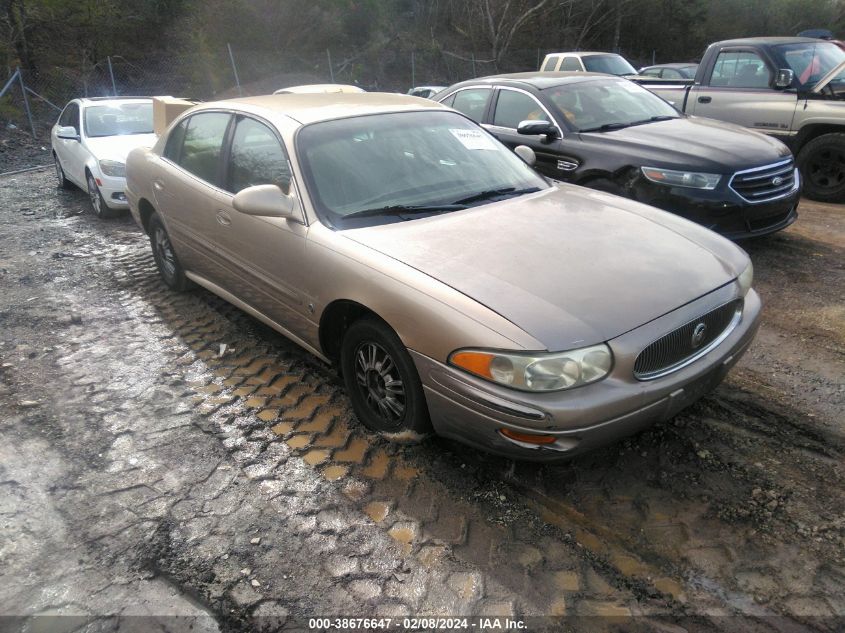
[(98, 203), (822, 165), (381, 379), (165, 257)]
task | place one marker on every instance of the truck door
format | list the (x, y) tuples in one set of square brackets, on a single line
[(740, 91)]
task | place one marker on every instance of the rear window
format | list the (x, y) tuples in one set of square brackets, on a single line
[(202, 146)]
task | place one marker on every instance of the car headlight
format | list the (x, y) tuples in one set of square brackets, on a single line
[(113, 168), (672, 178), (538, 371), (745, 279)]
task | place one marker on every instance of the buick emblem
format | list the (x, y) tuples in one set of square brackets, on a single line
[(698, 335), (777, 180)]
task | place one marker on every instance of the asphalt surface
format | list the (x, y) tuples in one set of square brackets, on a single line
[(169, 463)]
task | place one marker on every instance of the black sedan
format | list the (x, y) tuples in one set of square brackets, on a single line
[(610, 134)]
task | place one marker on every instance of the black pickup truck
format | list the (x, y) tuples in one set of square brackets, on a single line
[(792, 88)]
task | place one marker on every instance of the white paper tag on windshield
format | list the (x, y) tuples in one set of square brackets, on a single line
[(474, 139)]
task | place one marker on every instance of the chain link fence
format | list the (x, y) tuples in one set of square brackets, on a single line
[(226, 72)]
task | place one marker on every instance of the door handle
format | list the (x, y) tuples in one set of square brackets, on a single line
[(223, 218), (705, 99)]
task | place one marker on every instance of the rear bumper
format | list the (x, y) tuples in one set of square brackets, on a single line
[(474, 411)]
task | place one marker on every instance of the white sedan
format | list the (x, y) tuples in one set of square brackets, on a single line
[(90, 143)]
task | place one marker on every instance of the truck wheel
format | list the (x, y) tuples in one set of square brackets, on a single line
[(822, 165)]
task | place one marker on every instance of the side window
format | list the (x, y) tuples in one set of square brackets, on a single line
[(549, 64), (671, 73), (513, 107), (70, 116), (203, 143), (448, 101), (472, 102), (651, 72), (174, 141), (257, 158), (570, 63), (740, 69)]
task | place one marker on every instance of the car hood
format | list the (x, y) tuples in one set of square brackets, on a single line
[(570, 266), (691, 143), (118, 147)]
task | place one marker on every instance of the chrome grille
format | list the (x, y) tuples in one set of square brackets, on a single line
[(682, 346), (762, 184)]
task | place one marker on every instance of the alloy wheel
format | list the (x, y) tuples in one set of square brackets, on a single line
[(827, 169), (380, 382), (94, 195), (164, 253)]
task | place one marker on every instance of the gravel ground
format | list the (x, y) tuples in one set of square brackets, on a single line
[(151, 478)]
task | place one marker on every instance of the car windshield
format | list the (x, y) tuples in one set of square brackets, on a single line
[(810, 61), (611, 64), (608, 104), (119, 119), (400, 166)]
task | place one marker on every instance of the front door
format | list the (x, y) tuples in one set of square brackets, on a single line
[(265, 258), (514, 106)]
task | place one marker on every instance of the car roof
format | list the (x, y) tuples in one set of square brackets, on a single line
[(748, 41), (93, 100), (673, 65), (539, 79), (583, 53), (312, 107)]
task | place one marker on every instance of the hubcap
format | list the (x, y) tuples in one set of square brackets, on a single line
[(164, 251), (379, 382), (827, 169), (94, 194)]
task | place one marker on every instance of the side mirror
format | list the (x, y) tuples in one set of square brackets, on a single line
[(526, 153), (67, 132), (784, 78), (532, 128), (267, 201)]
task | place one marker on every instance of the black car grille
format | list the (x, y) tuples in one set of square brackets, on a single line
[(765, 183), (678, 347)]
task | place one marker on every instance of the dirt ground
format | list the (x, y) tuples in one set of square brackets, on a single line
[(152, 478)]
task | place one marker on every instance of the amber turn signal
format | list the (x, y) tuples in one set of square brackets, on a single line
[(477, 363), (528, 438)]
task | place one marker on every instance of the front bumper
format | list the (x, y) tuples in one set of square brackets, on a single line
[(722, 210), (113, 190), (474, 411)]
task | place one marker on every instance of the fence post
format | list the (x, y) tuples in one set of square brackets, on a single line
[(25, 101), (653, 56), (413, 71), (538, 60), (331, 70), (111, 74), (474, 74), (235, 70)]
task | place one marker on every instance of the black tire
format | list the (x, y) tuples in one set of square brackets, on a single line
[(608, 186), (822, 166), (168, 265), (98, 203), (381, 379), (64, 183)]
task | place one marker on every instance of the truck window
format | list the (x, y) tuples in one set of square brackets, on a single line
[(549, 64), (740, 69), (570, 63)]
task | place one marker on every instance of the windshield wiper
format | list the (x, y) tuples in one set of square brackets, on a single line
[(607, 127), (401, 209), (496, 193)]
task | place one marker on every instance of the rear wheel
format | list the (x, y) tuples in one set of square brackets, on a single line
[(64, 183), (381, 379), (165, 257), (98, 203), (822, 165)]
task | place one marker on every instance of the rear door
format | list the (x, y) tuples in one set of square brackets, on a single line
[(737, 88), (265, 258), (188, 190), (512, 106)]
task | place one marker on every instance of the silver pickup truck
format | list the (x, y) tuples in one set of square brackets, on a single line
[(792, 88)]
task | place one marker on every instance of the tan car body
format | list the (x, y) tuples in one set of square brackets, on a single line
[(301, 277)]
